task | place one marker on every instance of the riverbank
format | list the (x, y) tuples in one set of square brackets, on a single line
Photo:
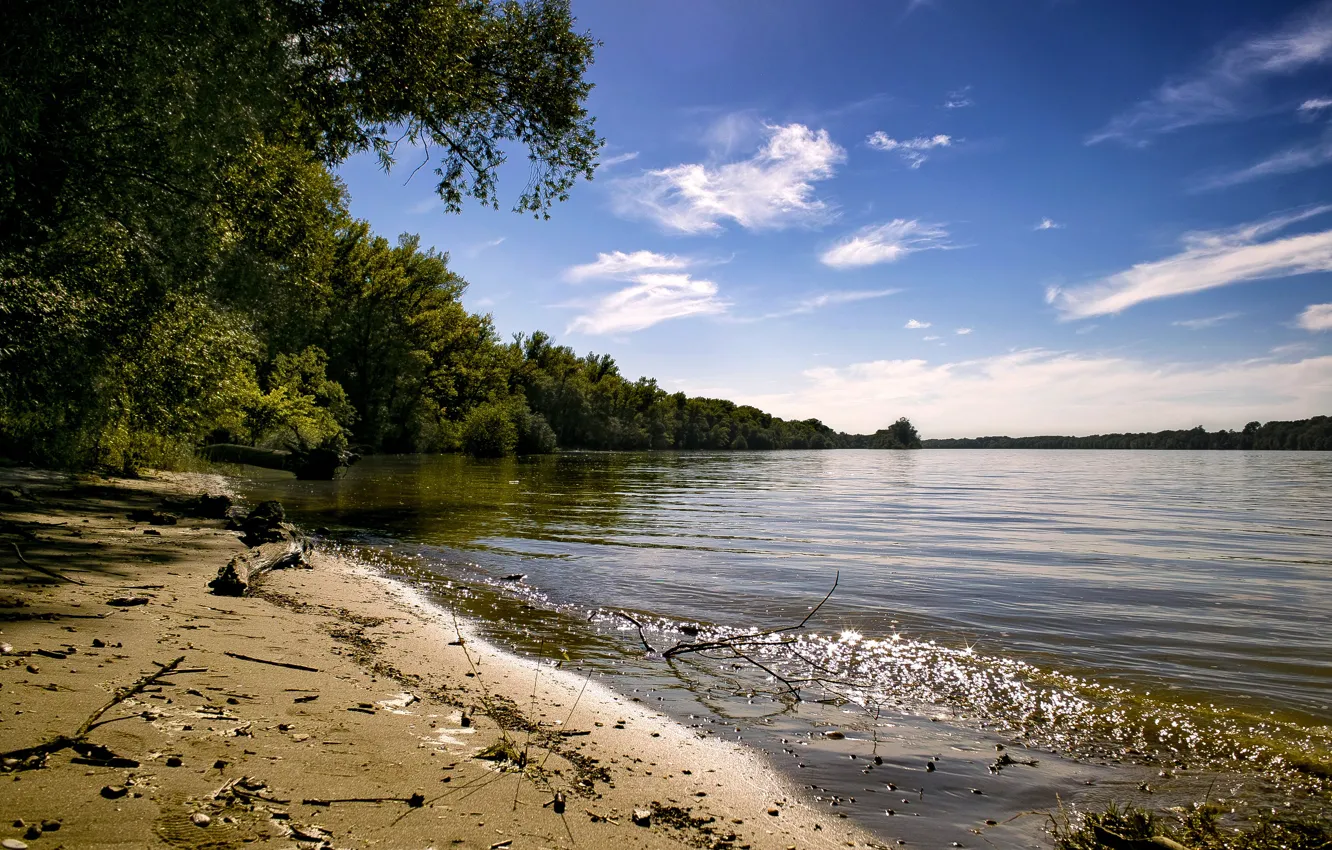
[(332, 684)]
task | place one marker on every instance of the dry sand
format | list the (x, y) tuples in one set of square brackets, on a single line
[(399, 701)]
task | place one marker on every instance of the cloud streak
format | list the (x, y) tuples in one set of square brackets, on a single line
[(1289, 161), (1229, 85), (829, 299), (1043, 392), (1207, 322), (771, 190), (911, 150), (1048, 224), (618, 264), (654, 298), (884, 243), (1209, 260)]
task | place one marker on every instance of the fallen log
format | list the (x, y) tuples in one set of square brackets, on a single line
[(241, 574)]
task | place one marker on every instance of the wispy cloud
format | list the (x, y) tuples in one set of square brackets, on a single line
[(930, 338), (884, 243), (959, 99), (962, 331), (828, 299), (1208, 322), (1288, 161), (772, 189), (1048, 224), (1316, 317), (618, 159), (1043, 392), (1209, 260), (912, 150), (914, 325), (475, 250), (1314, 105), (653, 299), (622, 265), (1229, 85), (425, 206)]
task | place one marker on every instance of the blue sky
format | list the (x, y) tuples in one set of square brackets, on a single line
[(1022, 217)]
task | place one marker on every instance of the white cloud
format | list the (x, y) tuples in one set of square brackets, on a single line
[(1048, 224), (1315, 105), (962, 331), (1316, 317), (1207, 322), (1209, 260), (1288, 161), (913, 325), (770, 190), (930, 338), (824, 299), (476, 249), (618, 159), (912, 150), (959, 99), (884, 243), (1227, 87), (618, 264), (1045, 392), (652, 299)]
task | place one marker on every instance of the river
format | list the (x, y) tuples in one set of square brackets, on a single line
[(1134, 617)]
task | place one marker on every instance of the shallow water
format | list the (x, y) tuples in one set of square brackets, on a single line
[(1159, 607)]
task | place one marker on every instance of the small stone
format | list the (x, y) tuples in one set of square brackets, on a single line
[(200, 819), (98, 643), (834, 735), (50, 826), (173, 761), (929, 767), (643, 817), (774, 811), (127, 601), (977, 791), (6, 649), (34, 831), (13, 844), (33, 668), (114, 792), (219, 764), (20, 823)]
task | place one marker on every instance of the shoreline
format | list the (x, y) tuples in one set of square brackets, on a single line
[(379, 699)]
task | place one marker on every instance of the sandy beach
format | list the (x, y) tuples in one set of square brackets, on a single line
[(332, 707)]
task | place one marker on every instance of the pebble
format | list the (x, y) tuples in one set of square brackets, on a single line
[(774, 811), (13, 844), (834, 735), (643, 817), (114, 792), (50, 825), (173, 761), (200, 819)]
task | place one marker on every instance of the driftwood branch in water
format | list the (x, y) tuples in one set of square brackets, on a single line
[(747, 639), (32, 757), (639, 626), (43, 570)]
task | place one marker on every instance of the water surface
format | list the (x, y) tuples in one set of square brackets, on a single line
[(1117, 606)]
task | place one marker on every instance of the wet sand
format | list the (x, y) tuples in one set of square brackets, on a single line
[(351, 689)]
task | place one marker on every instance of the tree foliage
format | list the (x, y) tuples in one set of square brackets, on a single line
[(1302, 434)]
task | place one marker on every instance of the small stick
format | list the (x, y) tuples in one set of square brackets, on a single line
[(639, 625), (51, 573), (273, 663), (416, 801)]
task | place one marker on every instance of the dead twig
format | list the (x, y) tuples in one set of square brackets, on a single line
[(43, 570), (639, 626), (273, 663), (33, 757), (683, 648), (415, 801)]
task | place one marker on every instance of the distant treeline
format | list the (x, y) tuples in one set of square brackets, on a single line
[(1300, 435)]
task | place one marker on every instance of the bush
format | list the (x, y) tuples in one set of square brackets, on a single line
[(535, 436), (489, 431)]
